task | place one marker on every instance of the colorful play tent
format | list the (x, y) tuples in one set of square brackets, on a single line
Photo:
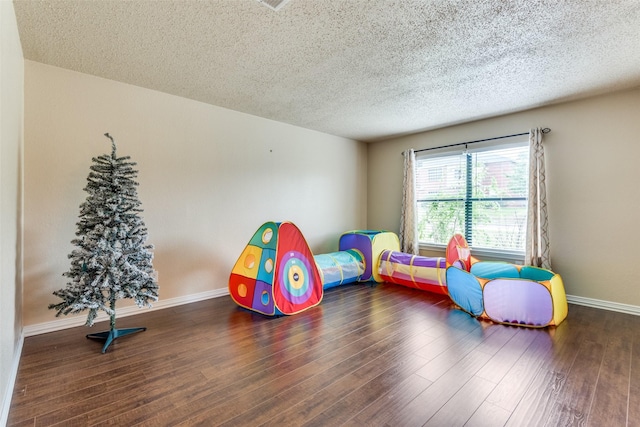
[(370, 243), (508, 293), (277, 274), (498, 291)]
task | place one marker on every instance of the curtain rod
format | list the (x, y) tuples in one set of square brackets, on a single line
[(545, 130)]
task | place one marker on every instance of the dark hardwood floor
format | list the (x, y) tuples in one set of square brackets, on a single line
[(367, 356)]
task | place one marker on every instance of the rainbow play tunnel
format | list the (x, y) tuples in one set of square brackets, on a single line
[(277, 273), (340, 268), (415, 271)]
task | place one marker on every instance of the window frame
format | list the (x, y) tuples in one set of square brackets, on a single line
[(508, 255)]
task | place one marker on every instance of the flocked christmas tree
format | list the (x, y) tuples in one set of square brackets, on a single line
[(112, 259)]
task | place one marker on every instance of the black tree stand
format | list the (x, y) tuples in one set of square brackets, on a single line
[(113, 333)]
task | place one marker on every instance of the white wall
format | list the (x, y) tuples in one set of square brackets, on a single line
[(592, 158), (209, 177), (11, 114)]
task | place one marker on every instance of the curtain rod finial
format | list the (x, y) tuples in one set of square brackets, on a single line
[(546, 130)]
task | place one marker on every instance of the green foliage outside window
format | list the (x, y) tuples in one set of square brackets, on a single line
[(495, 199)]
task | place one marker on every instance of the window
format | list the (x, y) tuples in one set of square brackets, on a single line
[(481, 195)]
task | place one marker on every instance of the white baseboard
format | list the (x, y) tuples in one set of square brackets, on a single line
[(6, 403), (605, 305), (74, 321)]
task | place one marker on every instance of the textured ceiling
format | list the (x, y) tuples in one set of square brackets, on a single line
[(361, 69)]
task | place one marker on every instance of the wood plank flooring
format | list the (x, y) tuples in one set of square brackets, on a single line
[(380, 355)]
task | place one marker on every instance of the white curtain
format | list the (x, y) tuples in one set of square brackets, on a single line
[(408, 223), (537, 245)]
